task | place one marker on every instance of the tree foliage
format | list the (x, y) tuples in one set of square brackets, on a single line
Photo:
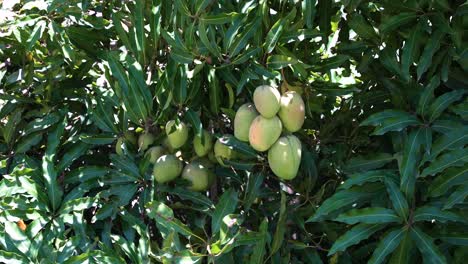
[(383, 175)]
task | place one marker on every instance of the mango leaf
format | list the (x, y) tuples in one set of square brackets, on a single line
[(354, 236), (431, 214), (252, 191), (164, 217), (343, 199), (409, 49), (403, 252), (274, 34), (71, 155), (394, 22), (98, 139), (455, 236), (427, 96), (452, 140), (387, 245), (454, 158), (27, 142), (399, 202), (428, 250), (194, 119), (259, 249), (458, 196), (370, 176), (278, 237), (226, 205), (430, 49), (371, 215), (396, 124), (443, 102), (368, 162), (218, 19), (449, 178), (239, 146), (12, 257), (280, 61), (409, 162), (363, 28)]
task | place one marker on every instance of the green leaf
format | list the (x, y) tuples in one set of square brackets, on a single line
[(403, 252), (342, 199), (280, 61), (26, 143), (331, 63), (71, 155), (274, 34), (365, 177), (214, 92), (387, 245), (431, 214), (363, 28), (244, 37), (98, 139), (458, 196), (209, 44), (78, 204), (450, 141), (12, 258), (35, 34), (409, 162), (396, 124), (430, 49), (428, 250), (394, 22), (427, 95), (371, 215), (354, 236), (378, 118), (164, 217), (86, 173), (259, 249), (239, 146), (10, 128), (399, 202), (443, 102), (226, 205), (453, 158), (368, 162), (451, 177), (219, 19), (43, 123), (140, 30), (194, 119), (278, 237), (48, 166), (409, 49), (252, 191)]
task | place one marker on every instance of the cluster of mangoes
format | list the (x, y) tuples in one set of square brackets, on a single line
[(262, 123)]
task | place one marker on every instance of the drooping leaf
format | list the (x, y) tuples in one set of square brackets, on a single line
[(451, 177), (387, 245), (428, 250), (399, 203), (354, 236), (371, 215)]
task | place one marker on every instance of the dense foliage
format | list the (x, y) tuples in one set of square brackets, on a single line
[(384, 171)]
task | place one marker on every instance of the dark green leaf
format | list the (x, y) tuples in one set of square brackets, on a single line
[(226, 205), (453, 158), (428, 250), (364, 177), (370, 215), (399, 202), (443, 102), (458, 196), (394, 22), (431, 214), (427, 96), (387, 245), (429, 50), (354, 236), (369, 162), (409, 162), (451, 177)]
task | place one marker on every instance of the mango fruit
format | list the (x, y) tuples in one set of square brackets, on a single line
[(292, 111), (203, 147), (242, 121), (167, 168), (144, 141), (177, 133), (198, 174), (222, 151), (284, 157), (154, 153), (264, 132), (267, 100)]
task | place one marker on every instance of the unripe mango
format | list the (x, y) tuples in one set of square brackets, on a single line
[(264, 132), (267, 100), (154, 153), (167, 168), (119, 146), (130, 137), (222, 151), (242, 121), (284, 157), (177, 134), (144, 141), (202, 149), (198, 174), (292, 111)]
